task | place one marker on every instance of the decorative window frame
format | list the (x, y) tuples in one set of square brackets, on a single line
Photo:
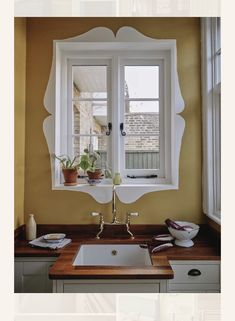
[(211, 92), (104, 39)]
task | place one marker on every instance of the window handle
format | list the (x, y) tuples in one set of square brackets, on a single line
[(121, 129), (109, 129), (141, 176)]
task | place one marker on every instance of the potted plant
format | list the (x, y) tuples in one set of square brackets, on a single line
[(69, 169), (88, 163)]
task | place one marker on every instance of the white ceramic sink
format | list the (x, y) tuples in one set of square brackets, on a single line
[(112, 255)]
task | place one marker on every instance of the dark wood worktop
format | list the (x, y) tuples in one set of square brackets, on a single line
[(207, 247)]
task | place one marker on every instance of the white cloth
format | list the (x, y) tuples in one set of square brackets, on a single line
[(40, 242)]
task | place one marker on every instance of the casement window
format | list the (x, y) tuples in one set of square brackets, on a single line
[(118, 95), (89, 108), (211, 82), (144, 82), (117, 108)]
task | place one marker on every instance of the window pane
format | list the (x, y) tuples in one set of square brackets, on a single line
[(218, 34), (218, 69), (142, 152), (141, 82), (97, 143), (142, 117), (90, 117), (217, 52), (90, 82), (142, 106)]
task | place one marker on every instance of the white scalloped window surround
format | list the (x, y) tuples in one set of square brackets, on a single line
[(103, 39)]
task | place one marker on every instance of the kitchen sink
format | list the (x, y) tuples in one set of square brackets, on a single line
[(113, 255)]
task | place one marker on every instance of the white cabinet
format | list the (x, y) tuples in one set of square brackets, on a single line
[(31, 274), (195, 276), (109, 286)]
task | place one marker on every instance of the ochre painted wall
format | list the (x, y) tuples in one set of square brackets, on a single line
[(20, 82), (73, 207)]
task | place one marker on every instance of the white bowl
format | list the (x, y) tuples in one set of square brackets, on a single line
[(184, 238), (54, 237)]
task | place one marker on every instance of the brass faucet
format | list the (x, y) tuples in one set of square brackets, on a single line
[(114, 219)]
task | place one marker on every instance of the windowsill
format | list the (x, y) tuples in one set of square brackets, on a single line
[(160, 186), (126, 182), (108, 185), (82, 186), (126, 192), (214, 218)]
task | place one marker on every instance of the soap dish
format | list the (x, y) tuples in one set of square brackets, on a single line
[(93, 182), (54, 237)]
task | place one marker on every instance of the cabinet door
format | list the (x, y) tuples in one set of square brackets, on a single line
[(106, 286), (31, 275), (18, 277), (34, 284), (109, 288), (34, 277)]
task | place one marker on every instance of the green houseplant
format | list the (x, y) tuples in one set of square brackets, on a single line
[(69, 169), (88, 163)]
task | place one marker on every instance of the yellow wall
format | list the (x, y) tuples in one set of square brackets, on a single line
[(20, 82), (73, 207)]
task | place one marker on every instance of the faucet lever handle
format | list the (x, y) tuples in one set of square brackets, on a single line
[(95, 214), (128, 221), (134, 214)]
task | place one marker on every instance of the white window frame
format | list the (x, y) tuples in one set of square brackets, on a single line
[(88, 60), (164, 90), (211, 93), (101, 43), (115, 107), (115, 61)]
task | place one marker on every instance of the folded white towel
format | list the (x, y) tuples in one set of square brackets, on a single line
[(40, 242)]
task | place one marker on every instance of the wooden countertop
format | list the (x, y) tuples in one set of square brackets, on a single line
[(63, 268), (206, 247)]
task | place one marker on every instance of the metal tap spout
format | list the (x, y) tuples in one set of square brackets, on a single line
[(114, 210)]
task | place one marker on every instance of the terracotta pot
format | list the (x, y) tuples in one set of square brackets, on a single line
[(97, 174), (70, 176)]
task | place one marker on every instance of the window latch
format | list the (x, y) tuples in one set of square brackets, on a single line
[(122, 130), (109, 129), (142, 176)]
